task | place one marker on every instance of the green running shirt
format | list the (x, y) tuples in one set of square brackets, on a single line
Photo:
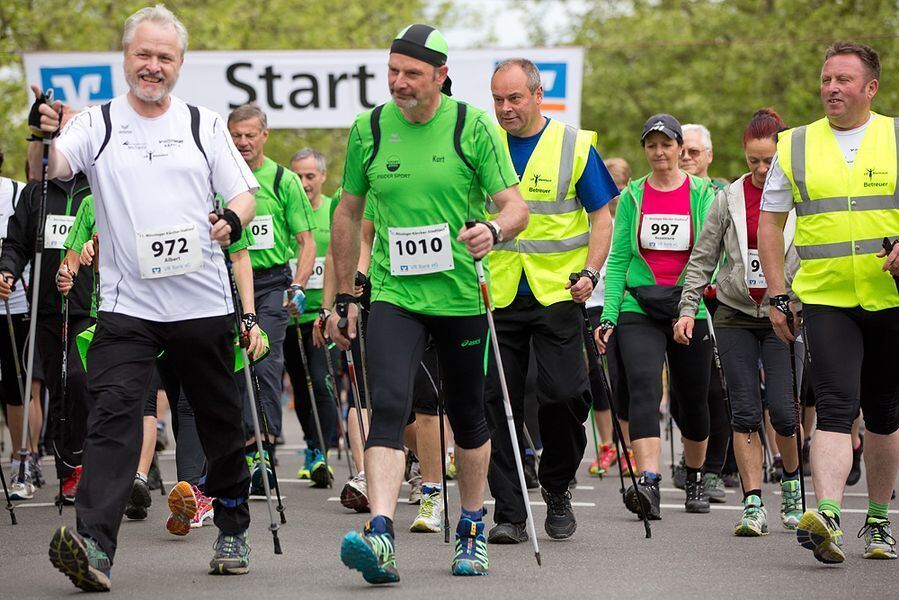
[(417, 180)]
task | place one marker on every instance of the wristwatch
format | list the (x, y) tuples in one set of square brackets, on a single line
[(496, 230), (249, 321), (591, 274)]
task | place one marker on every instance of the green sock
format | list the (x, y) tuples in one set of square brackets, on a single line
[(876, 509), (831, 506)]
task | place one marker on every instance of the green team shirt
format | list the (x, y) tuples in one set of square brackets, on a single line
[(279, 216), (322, 217), (417, 180)]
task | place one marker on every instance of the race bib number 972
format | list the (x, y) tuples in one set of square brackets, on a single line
[(420, 250), (665, 232), (755, 277), (170, 251)]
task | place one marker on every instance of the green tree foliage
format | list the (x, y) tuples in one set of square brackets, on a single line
[(716, 62), (96, 25)]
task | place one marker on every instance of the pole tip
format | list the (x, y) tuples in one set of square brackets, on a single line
[(277, 542), (537, 556)]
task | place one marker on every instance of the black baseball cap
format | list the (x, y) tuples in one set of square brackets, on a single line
[(664, 123)]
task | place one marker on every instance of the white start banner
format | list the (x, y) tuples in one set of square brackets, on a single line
[(302, 89)]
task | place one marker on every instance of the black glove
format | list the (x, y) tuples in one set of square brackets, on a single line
[(34, 117), (234, 221)]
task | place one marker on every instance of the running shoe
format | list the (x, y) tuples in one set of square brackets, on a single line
[(471, 549), (696, 500), (183, 505), (560, 523), (372, 554), (595, 469), (714, 488), (879, 540), (790, 503), (430, 514), (231, 555), (508, 533), (622, 464), (320, 472), (820, 532), (647, 494), (81, 560), (303, 473), (20, 489), (451, 470), (855, 472), (608, 455), (354, 494), (731, 480), (754, 522), (139, 500), (257, 486), (679, 474), (70, 486), (205, 513), (776, 470)]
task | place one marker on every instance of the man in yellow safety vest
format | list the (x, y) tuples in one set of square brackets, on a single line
[(840, 174)]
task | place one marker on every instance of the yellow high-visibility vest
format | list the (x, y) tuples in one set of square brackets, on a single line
[(843, 214), (554, 244)]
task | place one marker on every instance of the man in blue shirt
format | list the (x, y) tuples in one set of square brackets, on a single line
[(567, 189)]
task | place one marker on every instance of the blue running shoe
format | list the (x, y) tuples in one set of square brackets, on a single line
[(372, 554), (81, 560), (471, 549), (257, 488)]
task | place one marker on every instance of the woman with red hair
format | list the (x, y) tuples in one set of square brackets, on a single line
[(741, 328)]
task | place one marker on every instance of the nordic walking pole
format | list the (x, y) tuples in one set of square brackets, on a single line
[(530, 442), (342, 311), (360, 327), (507, 402), (312, 400), (15, 345), (340, 419), (266, 434), (446, 536), (724, 392), (235, 299), (797, 409), (595, 439), (588, 332), (32, 326), (64, 380)]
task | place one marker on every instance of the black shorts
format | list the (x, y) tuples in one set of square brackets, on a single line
[(396, 343)]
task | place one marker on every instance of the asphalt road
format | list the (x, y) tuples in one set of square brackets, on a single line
[(689, 556)]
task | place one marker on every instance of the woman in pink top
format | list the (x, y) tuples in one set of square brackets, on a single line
[(657, 220)]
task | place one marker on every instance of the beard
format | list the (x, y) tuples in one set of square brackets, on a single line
[(134, 81)]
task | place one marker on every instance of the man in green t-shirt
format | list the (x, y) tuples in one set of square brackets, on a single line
[(427, 160), (283, 221), (311, 167)]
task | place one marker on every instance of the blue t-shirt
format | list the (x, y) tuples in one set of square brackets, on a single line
[(594, 189)]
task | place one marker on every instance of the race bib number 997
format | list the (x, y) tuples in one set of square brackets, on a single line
[(170, 251), (420, 250), (755, 277), (665, 232)]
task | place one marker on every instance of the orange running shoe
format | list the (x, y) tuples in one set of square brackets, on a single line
[(608, 454), (184, 506)]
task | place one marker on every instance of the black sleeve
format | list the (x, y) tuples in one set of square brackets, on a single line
[(18, 247)]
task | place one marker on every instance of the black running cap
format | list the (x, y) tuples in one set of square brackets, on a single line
[(664, 123), (421, 42)]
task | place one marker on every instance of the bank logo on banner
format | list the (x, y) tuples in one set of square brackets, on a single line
[(79, 86), (555, 80)]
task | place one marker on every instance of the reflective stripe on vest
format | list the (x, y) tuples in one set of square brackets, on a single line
[(556, 238), (838, 236)]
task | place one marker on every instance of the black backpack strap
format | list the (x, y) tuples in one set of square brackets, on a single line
[(107, 122), (375, 133), (15, 188), (279, 173), (461, 111), (195, 128)]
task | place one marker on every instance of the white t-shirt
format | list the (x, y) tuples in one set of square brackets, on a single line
[(152, 185), (778, 193), (18, 304)]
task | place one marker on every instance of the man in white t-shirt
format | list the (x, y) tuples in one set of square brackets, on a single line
[(841, 175), (155, 164)]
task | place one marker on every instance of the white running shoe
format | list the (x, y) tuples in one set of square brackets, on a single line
[(430, 514)]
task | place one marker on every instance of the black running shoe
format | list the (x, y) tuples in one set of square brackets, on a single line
[(530, 472), (697, 501), (648, 495), (560, 523), (139, 501), (508, 533), (855, 473)]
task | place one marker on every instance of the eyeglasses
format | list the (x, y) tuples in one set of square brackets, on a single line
[(695, 152)]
